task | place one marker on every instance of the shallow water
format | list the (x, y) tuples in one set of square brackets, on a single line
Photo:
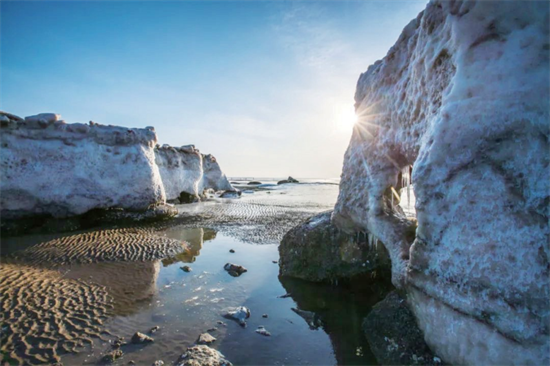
[(153, 293), (184, 305)]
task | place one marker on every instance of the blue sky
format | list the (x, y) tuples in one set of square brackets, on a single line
[(264, 86)]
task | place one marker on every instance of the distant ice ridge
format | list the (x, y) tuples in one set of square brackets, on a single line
[(49, 167), (185, 169), (463, 98)]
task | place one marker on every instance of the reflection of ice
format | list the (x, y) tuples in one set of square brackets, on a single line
[(194, 237), (194, 298), (216, 289)]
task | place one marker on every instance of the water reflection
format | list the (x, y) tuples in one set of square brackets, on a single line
[(194, 237), (340, 311), (129, 284)]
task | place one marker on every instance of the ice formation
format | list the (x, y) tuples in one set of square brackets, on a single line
[(463, 98), (185, 169), (51, 167)]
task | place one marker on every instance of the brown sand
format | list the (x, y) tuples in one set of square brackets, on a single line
[(104, 245), (44, 314)]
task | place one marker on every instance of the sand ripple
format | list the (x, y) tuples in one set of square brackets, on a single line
[(44, 314), (107, 245)]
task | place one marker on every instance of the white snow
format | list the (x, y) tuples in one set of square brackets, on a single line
[(185, 169), (462, 97), (50, 167)]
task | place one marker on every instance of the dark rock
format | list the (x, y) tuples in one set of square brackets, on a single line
[(231, 194), (186, 269), (254, 183), (318, 251), (154, 329), (234, 269), (264, 316), (138, 338), (284, 296), (188, 197), (288, 180), (231, 250), (394, 336)]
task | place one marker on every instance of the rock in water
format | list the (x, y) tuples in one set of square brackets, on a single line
[(186, 269), (205, 338), (202, 355), (234, 269), (317, 251), (240, 314), (462, 97), (112, 356), (138, 338), (393, 335), (288, 180), (261, 330)]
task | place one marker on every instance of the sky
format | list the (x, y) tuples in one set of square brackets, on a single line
[(265, 86)]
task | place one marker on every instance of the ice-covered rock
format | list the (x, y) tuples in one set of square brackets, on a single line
[(463, 98), (49, 167), (317, 251), (185, 170)]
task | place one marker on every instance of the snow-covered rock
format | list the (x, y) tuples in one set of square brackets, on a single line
[(463, 98), (185, 169), (49, 167)]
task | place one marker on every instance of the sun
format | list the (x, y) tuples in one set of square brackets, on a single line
[(345, 117)]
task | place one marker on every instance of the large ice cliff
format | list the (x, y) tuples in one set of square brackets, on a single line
[(462, 97), (49, 167), (185, 169)]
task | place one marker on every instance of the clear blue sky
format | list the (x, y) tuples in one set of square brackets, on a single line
[(261, 85)]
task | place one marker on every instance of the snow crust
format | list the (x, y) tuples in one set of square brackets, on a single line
[(51, 167), (463, 98), (185, 169)]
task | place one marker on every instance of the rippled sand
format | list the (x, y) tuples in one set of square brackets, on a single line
[(44, 314), (106, 245)]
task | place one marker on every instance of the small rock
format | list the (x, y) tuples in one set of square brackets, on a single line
[(240, 314), (141, 338), (158, 363), (202, 355), (261, 330), (285, 296), (264, 316), (186, 269), (117, 343), (154, 329), (205, 338), (212, 329), (312, 319), (231, 250), (131, 362), (234, 269), (275, 262), (112, 356)]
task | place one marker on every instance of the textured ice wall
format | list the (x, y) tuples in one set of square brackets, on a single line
[(51, 167), (185, 169), (463, 97), (213, 177), (180, 169)]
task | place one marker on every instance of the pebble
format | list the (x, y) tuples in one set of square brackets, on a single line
[(154, 329), (186, 268), (141, 338), (261, 330), (205, 338), (264, 316), (231, 250)]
